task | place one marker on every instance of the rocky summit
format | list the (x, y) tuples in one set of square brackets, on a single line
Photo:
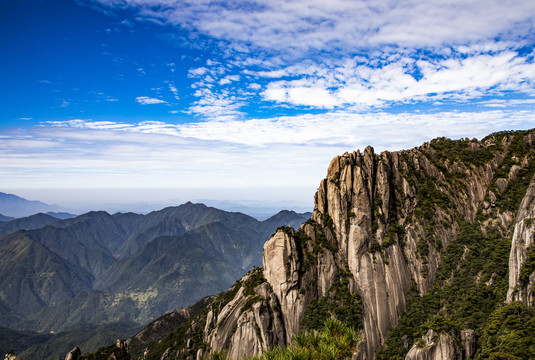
[(423, 252)]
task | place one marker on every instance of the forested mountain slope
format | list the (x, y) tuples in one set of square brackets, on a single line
[(64, 275)]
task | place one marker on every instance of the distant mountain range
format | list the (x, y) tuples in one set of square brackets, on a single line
[(4, 218), (13, 206), (61, 275)]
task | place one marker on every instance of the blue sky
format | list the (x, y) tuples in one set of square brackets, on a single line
[(187, 96)]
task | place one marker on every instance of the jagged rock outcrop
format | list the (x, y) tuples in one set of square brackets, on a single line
[(12, 356), (248, 323), (121, 345), (283, 264), (371, 200), (468, 339), (380, 225), (74, 354), (433, 347)]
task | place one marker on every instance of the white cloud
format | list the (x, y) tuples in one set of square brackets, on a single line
[(145, 100), (89, 124), (503, 103), (299, 93), (295, 26), (341, 54), (209, 79), (281, 152), (403, 79), (337, 128), (229, 79), (197, 72), (101, 158), (216, 105), (63, 103), (174, 90), (350, 130), (233, 77)]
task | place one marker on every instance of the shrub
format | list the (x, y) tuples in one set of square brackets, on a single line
[(335, 341)]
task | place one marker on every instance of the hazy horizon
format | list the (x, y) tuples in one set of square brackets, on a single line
[(255, 202)]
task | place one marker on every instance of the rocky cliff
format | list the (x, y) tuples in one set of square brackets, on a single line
[(388, 232), (441, 347), (522, 257)]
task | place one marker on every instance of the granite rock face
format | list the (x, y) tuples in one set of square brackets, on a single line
[(434, 347), (521, 289), (372, 200), (468, 339), (74, 354)]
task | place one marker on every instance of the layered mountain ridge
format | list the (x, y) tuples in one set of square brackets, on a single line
[(62, 275), (420, 250), (15, 206)]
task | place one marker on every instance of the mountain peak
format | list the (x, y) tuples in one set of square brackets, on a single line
[(16, 206)]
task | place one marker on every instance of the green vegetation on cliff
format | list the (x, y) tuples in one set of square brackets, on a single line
[(339, 304), (107, 352), (471, 283), (335, 341), (509, 333)]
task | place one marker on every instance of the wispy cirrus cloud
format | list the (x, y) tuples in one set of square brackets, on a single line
[(146, 100), (220, 105), (297, 26), (174, 90), (340, 128), (502, 103)]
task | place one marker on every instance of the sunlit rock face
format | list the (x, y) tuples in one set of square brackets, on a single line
[(521, 287), (435, 347)]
